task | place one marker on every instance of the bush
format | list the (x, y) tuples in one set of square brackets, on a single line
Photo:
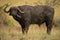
[(4, 19)]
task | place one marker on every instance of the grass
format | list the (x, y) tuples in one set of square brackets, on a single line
[(34, 33)]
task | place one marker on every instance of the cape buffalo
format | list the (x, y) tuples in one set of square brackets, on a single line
[(27, 15)]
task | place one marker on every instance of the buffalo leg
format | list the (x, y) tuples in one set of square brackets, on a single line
[(49, 26), (27, 26), (23, 28)]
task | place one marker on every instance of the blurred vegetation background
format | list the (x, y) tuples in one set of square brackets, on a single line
[(5, 19), (8, 25)]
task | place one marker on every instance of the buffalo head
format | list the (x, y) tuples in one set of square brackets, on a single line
[(14, 11)]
